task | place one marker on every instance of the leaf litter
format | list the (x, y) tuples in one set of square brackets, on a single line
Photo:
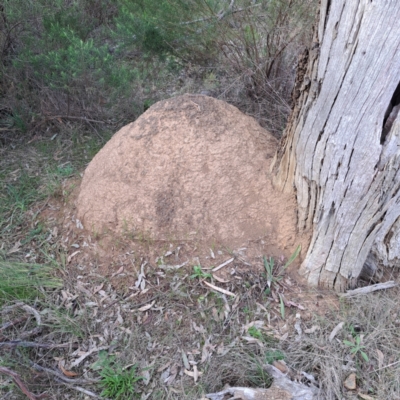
[(184, 333)]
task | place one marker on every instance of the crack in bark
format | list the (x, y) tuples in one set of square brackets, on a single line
[(348, 164), (328, 9), (357, 25), (391, 114)]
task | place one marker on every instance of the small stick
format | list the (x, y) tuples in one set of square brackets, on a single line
[(61, 376), (223, 264), (218, 289), (18, 381), (73, 117), (21, 343), (31, 310), (368, 289), (80, 389), (12, 323), (32, 332)]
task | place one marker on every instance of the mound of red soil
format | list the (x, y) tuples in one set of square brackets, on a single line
[(191, 167)]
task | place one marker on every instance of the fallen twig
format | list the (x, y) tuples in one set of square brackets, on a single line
[(75, 117), (218, 289), (61, 376), (13, 323), (335, 331), (80, 389), (21, 343), (87, 354), (368, 289), (27, 308), (35, 313), (33, 332), (18, 381), (222, 265)]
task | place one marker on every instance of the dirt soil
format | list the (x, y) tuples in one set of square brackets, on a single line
[(192, 168)]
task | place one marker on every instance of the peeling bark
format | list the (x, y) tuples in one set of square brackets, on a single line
[(341, 148)]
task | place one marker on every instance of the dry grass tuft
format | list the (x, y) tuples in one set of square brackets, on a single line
[(374, 319)]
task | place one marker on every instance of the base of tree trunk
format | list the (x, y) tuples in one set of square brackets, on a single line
[(340, 152)]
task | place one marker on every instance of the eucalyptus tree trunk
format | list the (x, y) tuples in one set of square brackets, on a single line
[(341, 149)]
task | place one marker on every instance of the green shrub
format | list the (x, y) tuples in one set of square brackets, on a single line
[(98, 63)]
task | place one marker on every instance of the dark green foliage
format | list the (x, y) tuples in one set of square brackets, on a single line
[(63, 66), (93, 64)]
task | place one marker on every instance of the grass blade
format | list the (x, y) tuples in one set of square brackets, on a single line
[(293, 256)]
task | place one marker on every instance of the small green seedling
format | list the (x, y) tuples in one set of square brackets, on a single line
[(274, 272), (269, 269), (199, 273), (273, 355), (255, 333), (356, 347)]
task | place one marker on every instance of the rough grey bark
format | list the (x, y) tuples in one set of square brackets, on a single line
[(341, 149)]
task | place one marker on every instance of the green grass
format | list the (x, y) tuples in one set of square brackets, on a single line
[(274, 273), (22, 281), (257, 375), (117, 382), (17, 197)]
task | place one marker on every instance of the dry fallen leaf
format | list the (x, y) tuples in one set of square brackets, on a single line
[(366, 397), (335, 331), (380, 358), (281, 366), (145, 374), (313, 329), (82, 355), (147, 306), (165, 366), (72, 255), (250, 339), (219, 279), (212, 254), (207, 350), (173, 373), (97, 288), (282, 337), (215, 314), (164, 376), (292, 304), (118, 272), (70, 374), (185, 360), (199, 329), (15, 248), (194, 374)]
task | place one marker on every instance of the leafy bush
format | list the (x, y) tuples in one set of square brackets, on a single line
[(62, 68), (98, 63), (255, 41)]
